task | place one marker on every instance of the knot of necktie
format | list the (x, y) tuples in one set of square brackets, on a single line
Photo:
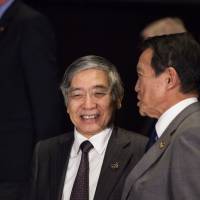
[(86, 146), (152, 139)]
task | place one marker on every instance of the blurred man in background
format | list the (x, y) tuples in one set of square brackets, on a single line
[(163, 26), (30, 104)]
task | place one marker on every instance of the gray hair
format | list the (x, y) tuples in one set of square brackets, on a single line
[(94, 62)]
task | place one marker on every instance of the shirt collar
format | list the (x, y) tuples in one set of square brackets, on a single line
[(168, 116), (99, 141), (5, 6)]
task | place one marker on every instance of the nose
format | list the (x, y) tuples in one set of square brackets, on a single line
[(137, 86), (89, 102)]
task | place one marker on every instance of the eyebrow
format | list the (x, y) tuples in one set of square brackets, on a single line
[(71, 89), (100, 87)]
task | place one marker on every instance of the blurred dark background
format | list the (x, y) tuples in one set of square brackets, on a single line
[(111, 28)]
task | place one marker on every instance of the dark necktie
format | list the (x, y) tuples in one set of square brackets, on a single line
[(152, 139), (80, 190)]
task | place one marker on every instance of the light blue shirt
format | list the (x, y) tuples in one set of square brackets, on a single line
[(5, 6)]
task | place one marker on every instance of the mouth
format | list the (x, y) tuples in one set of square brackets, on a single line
[(89, 117)]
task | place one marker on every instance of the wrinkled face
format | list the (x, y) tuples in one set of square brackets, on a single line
[(90, 101), (151, 89)]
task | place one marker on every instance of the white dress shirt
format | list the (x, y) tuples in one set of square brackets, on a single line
[(96, 157), (168, 116)]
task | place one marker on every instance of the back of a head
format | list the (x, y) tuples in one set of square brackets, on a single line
[(180, 51), (164, 26)]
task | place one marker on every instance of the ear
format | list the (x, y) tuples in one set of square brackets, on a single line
[(67, 108), (119, 104), (172, 78)]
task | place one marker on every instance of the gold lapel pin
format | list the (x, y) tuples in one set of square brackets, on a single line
[(162, 144), (114, 165)]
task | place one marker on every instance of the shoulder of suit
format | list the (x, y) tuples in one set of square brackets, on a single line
[(46, 147), (56, 141), (190, 126), (25, 12), (132, 135)]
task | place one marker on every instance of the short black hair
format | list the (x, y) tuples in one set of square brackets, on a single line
[(180, 51)]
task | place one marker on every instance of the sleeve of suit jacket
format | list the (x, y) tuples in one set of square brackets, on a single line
[(41, 75)]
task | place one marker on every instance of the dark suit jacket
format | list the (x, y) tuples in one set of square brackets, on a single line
[(51, 160), (30, 104), (170, 168)]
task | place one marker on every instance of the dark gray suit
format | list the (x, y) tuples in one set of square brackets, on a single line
[(170, 170), (51, 160)]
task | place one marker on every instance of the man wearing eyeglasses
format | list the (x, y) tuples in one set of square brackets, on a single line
[(93, 92)]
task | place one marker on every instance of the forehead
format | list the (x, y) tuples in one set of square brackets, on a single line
[(90, 78), (144, 63)]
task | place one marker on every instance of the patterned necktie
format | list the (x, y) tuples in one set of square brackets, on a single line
[(152, 139), (80, 190)]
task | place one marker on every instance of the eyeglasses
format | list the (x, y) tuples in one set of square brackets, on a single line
[(95, 93)]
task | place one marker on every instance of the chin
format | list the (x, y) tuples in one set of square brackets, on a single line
[(91, 131), (142, 113)]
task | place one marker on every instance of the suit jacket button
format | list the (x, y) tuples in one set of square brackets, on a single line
[(2, 28)]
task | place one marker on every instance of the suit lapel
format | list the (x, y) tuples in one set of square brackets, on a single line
[(116, 158), (59, 164), (156, 151)]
